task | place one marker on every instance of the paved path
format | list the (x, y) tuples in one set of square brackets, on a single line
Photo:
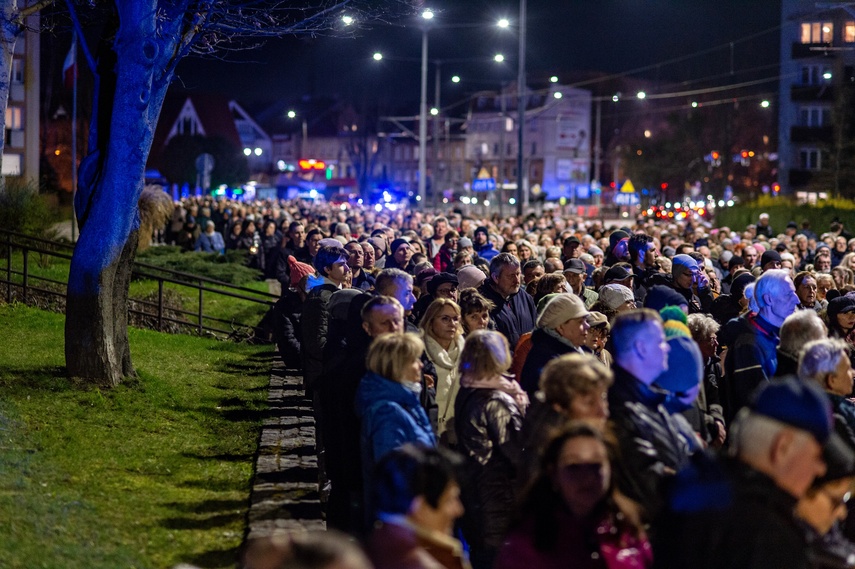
[(285, 487)]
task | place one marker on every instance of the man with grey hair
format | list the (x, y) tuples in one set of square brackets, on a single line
[(399, 285), (738, 511), (752, 357), (799, 328), (826, 362), (514, 313)]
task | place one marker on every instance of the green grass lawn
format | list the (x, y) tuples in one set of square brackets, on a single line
[(220, 306), (145, 475)]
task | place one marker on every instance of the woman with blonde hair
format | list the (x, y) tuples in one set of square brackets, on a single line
[(387, 401), (443, 338), (488, 413)]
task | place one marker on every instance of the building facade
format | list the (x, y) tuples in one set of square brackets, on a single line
[(21, 152), (817, 67)]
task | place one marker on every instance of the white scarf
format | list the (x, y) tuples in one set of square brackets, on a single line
[(447, 381)]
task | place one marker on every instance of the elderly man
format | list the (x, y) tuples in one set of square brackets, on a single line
[(514, 313), (562, 327), (343, 370), (653, 444), (738, 512), (211, 241), (576, 274), (751, 357), (749, 255)]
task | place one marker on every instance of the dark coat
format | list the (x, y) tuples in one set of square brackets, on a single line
[(488, 424), (751, 361), (544, 347), (287, 331), (725, 515), (513, 317), (652, 442), (315, 322)]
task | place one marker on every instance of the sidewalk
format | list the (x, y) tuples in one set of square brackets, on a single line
[(285, 487)]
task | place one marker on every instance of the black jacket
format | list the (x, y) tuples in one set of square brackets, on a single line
[(488, 424), (287, 331), (653, 443), (513, 317), (725, 515), (544, 347)]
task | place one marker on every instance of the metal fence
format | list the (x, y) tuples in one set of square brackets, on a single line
[(157, 314)]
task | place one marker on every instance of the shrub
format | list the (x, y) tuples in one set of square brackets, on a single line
[(782, 210), (229, 268), (25, 210)]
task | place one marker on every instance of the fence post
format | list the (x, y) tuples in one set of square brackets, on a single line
[(160, 304), (26, 274), (201, 284), (9, 269)]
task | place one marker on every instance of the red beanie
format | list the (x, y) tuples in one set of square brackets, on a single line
[(298, 270)]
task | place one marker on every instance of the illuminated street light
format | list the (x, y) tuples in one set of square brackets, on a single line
[(826, 75), (292, 114), (553, 79), (427, 14), (247, 151), (377, 56), (694, 104), (557, 94), (647, 134), (455, 79), (257, 151), (615, 98), (434, 111), (347, 20), (498, 58), (764, 104), (503, 23), (641, 95)]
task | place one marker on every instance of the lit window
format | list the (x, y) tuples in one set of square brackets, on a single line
[(849, 32), (13, 118), (817, 32)]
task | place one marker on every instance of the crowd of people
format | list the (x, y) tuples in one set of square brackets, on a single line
[(553, 392)]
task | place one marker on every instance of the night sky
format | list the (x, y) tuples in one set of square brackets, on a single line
[(564, 36)]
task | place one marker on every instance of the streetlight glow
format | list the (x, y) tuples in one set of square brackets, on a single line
[(498, 58), (503, 23), (557, 94), (615, 98), (291, 114), (257, 151), (377, 56), (826, 75), (641, 95), (694, 104), (427, 14), (455, 79), (347, 20), (247, 151), (764, 104), (553, 79), (434, 111)]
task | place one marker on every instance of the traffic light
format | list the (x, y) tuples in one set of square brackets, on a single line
[(715, 155)]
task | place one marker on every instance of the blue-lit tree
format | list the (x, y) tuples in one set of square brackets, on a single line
[(136, 64)]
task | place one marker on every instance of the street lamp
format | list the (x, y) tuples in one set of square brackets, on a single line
[(522, 179), (455, 79), (503, 23), (292, 114), (499, 58), (377, 56), (427, 16)]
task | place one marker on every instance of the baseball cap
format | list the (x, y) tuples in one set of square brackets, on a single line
[(617, 273), (575, 266), (561, 308), (613, 295), (799, 404)]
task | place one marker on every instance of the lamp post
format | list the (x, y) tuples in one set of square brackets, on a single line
[(522, 178), (427, 15), (305, 140)]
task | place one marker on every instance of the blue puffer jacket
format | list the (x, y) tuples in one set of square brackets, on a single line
[(391, 416)]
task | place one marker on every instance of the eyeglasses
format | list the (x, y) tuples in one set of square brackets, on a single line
[(837, 501)]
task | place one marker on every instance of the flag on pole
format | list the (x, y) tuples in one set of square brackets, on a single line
[(69, 68)]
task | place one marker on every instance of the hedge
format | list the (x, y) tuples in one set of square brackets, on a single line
[(782, 210)]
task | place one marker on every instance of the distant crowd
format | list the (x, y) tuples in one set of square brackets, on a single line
[(550, 391)]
